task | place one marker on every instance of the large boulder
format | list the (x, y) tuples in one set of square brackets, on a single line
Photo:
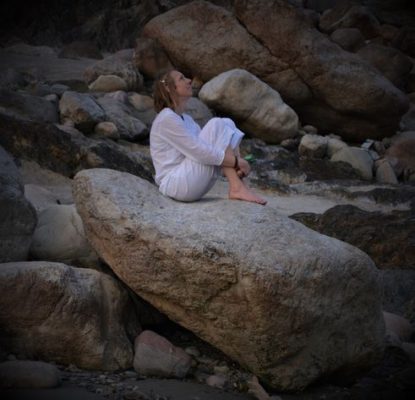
[(328, 87), (350, 98), (17, 216), (258, 108), (310, 303), (54, 312)]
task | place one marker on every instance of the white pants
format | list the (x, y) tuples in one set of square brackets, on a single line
[(192, 180)]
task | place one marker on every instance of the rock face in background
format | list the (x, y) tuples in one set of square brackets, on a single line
[(79, 317), (349, 97), (310, 303), (17, 215)]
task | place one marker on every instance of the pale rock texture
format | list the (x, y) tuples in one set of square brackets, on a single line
[(108, 83), (313, 146), (257, 107), (154, 355), (286, 302), (198, 111), (59, 236), (54, 312), (358, 158), (385, 172)]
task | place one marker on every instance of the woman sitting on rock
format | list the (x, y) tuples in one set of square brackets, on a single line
[(188, 159)]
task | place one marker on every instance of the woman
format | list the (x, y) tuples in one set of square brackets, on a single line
[(188, 159)]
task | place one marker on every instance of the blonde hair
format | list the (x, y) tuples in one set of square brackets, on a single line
[(165, 94)]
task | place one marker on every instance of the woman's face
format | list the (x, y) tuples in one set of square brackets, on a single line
[(183, 84)]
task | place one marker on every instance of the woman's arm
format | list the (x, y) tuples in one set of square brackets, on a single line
[(173, 131)]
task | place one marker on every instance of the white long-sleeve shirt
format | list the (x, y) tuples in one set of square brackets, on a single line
[(173, 138)]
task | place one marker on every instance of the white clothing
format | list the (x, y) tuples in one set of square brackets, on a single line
[(187, 158)]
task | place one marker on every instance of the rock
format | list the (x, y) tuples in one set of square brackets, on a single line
[(150, 58), (334, 145), (198, 111), (108, 83), (409, 349), (226, 45), (81, 109), (218, 381), (401, 155), (68, 315), (358, 158), (26, 106), (408, 120), (258, 108), (144, 106), (349, 97), (65, 150), (392, 63), (385, 172), (17, 215), (398, 325), (12, 80), (59, 236), (28, 374), (79, 49), (398, 292), (124, 116), (119, 64), (29, 50), (313, 146), (107, 129), (207, 285), (156, 356), (347, 14), (386, 238), (350, 39)]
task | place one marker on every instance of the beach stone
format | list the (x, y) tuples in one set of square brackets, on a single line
[(358, 158), (328, 315), (81, 109), (59, 236), (257, 107), (385, 172), (28, 374), (108, 83), (334, 145), (313, 146), (55, 312), (107, 129), (199, 111), (156, 356), (398, 325)]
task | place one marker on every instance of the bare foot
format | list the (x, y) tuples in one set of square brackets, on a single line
[(243, 193)]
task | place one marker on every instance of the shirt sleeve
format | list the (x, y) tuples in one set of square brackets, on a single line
[(175, 133)]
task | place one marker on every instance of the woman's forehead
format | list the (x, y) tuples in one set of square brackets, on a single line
[(176, 74)]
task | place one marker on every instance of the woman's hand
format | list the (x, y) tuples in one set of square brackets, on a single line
[(243, 168)]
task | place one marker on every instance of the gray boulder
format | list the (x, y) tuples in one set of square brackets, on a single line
[(26, 106), (68, 315), (17, 215), (258, 108), (81, 109), (289, 304)]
